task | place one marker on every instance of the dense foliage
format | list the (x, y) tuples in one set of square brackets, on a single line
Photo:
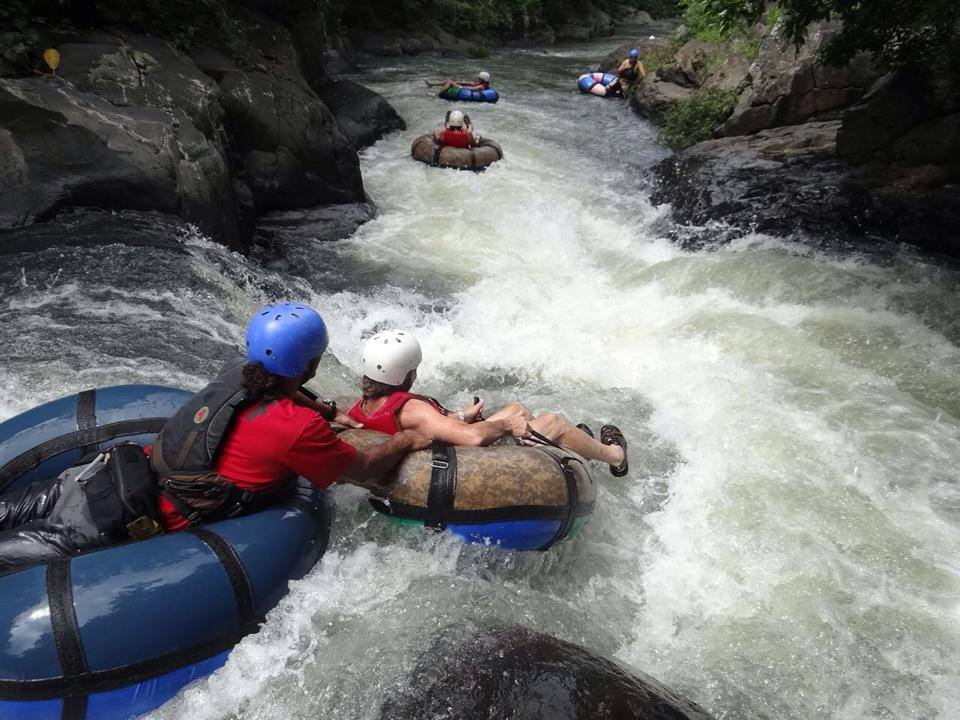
[(895, 31), (180, 20), (695, 119)]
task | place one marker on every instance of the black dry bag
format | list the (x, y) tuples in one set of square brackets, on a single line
[(137, 490)]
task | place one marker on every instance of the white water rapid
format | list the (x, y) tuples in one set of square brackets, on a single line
[(787, 545)]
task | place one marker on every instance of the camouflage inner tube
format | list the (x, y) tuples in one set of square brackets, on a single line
[(526, 498), (429, 151)]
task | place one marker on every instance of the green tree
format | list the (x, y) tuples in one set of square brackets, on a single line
[(897, 32)]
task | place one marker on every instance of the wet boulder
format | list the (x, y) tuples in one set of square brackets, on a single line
[(62, 147), (499, 671), (287, 146), (790, 180), (653, 96), (362, 115)]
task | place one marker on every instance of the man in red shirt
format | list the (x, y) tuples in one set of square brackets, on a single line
[(253, 430)]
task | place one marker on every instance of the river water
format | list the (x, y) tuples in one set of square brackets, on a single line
[(787, 543)]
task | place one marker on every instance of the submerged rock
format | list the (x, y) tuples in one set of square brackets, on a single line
[(325, 223), (498, 672), (84, 226)]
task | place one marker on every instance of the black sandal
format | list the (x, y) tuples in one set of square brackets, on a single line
[(611, 435), (585, 428)]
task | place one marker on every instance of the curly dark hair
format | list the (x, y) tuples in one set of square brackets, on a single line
[(258, 382)]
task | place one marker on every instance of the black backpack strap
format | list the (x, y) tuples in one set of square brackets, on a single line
[(443, 485), (192, 515)]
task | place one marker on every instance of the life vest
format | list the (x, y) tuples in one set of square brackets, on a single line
[(456, 138), (185, 452), (384, 419), (631, 72)]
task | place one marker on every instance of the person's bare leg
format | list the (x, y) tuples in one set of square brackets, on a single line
[(556, 428), (511, 409)]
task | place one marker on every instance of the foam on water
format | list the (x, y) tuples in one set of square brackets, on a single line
[(786, 544)]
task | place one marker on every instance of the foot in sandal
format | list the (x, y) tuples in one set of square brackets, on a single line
[(611, 435)]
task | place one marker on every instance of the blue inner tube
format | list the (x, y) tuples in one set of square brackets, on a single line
[(465, 95), (117, 632), (588, 81)]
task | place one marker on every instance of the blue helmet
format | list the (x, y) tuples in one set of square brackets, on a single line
[(285, 338), (634, 54)]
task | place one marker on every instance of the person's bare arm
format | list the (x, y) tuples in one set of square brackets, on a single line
[(419, 416), (370, 465)]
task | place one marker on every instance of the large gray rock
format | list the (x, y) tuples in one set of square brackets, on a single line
[(63, 147), (136, 70), (791, 87), (286, 145), (789, 179), (288, 148), (907, 116), (585, 23), (652, 97), (500, 671), (363, 116)]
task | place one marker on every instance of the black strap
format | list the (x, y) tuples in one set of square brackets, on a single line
[(573, 500), (63, 619), (236, 572), (191, 514), (436, 154), (74, 707), (443, 485), (88, 437), (543, 439), (473, 159), (87, 415)]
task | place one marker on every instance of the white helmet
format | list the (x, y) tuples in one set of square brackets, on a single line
[(455, 119), (389, 355), (484, 75)]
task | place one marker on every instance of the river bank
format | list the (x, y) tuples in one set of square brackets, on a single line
[(772, 139)]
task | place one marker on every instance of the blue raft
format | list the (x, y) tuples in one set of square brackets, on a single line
[(466, 95), (596, 83), (117, 632)]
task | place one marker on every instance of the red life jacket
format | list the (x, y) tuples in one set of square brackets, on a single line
[(385, 419), (456, 138)]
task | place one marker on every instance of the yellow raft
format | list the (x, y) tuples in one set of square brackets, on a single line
[(429, 151), (518, 497)]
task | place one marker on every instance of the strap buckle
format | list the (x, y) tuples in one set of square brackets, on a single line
[(439, 464)]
